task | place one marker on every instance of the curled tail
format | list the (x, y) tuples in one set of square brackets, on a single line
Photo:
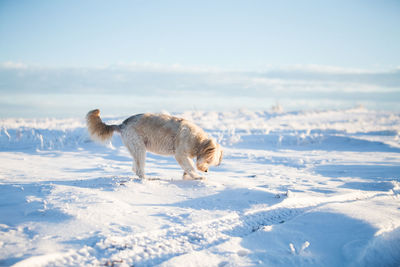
[(98, 130)]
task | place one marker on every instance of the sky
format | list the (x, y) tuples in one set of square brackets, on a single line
[(46, 44)]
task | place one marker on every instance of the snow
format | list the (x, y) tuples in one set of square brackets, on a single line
[(305, 188)]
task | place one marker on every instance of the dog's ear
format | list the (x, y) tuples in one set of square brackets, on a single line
[(207, 150)]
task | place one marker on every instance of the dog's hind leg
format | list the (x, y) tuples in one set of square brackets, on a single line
[(140, 160), (138, 152)]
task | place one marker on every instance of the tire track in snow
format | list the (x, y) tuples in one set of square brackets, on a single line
[(151, 248), (154, 247)]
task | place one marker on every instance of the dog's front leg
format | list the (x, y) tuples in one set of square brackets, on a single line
[(188, 168)]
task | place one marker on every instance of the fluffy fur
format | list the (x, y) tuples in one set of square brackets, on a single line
[(160, 134)]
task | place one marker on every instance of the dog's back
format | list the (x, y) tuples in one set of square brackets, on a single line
[(162, 134)]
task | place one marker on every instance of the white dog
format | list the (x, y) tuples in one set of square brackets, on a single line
[(160, 134)]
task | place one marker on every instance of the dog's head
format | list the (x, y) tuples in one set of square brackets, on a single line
[(210, 154)]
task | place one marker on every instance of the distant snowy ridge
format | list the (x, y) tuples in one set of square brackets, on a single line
[(28, 138), (266, 129)]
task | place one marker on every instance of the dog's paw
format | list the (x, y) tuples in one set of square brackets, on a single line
[(187, 176)]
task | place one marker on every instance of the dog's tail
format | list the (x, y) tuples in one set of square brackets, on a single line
[(98, 130)]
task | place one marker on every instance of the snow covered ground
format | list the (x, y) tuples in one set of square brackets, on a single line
[(317, 188)]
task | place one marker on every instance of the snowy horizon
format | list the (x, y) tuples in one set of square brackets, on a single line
[(127, 88)]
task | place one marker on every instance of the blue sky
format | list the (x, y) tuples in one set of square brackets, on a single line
[(61, 58), (229, 34)]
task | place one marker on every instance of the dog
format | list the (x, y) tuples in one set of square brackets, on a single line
[(160, 134)]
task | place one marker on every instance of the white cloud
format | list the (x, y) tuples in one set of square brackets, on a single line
[(13, 65), (314, 68), (158, 67), (155, 78)]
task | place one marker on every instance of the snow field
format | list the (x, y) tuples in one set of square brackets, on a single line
[(295, 189)]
